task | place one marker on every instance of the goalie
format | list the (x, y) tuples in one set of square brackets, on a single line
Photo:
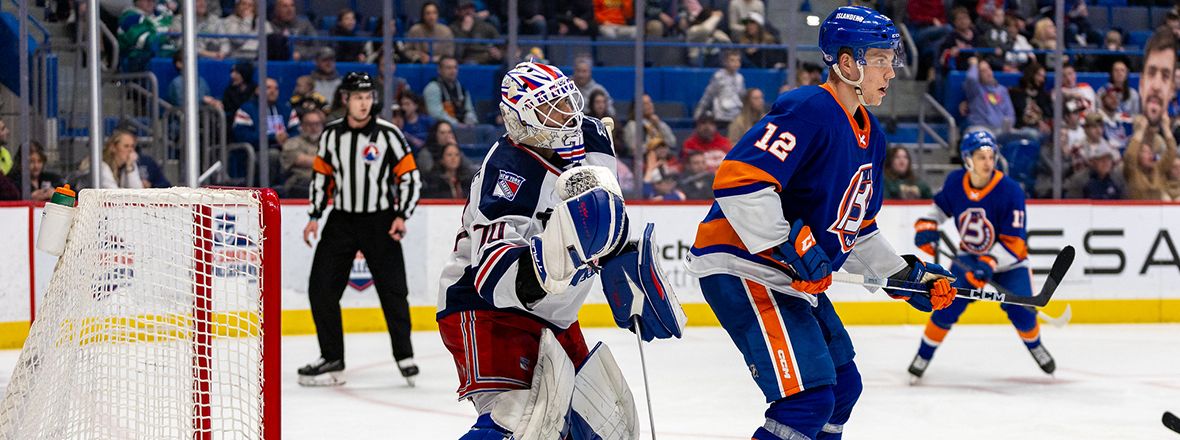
[(544, 216)]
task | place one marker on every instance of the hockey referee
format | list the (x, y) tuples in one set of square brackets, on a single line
[(364, 166)]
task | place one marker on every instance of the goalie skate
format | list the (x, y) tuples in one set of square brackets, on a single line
[(322, 373)]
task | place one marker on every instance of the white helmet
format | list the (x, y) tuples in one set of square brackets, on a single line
[(530, 98)]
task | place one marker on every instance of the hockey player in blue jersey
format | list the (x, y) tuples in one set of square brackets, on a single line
[(545, 214), (988, 209), (797, 198)]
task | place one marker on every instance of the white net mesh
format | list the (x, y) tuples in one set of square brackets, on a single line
[(152, 325)]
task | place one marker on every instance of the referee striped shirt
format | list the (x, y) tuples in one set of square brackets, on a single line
[(364, 170)]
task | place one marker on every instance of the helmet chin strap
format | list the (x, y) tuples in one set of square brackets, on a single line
[(856, 85)]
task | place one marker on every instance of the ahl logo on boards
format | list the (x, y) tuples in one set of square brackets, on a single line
[(360, 278)]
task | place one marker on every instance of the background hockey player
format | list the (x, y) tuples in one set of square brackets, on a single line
[(988, 208), (545, 214), (364, 166), (797, 198)]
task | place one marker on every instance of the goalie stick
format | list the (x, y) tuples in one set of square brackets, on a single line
[(1056, 322), (1171, 421), (1060, 267), (646, 388)]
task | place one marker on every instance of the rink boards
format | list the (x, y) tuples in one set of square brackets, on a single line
[(1127, 268)]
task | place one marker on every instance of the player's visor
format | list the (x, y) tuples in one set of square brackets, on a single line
[(882, 58)]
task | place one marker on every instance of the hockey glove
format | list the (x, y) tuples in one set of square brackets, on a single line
[(582, 229), (934, 276), (812, 267), (926, 235), (634, 285), (983, 267)]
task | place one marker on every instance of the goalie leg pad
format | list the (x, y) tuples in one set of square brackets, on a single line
[(486, 429), (581, 230), (603, 407), (539, 412), (635, 285)]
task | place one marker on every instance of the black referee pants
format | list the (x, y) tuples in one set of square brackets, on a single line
[(343, 235)]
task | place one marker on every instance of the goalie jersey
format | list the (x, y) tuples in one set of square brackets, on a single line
[(808, 159), (991, 221), (511, 198)]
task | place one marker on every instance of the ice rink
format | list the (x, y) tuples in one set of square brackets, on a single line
[(1112, 382)]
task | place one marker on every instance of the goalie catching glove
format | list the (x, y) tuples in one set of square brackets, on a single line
[(932, 275), (635, 286), (590, 223)]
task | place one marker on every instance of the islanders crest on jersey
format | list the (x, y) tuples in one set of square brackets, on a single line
[(990, 220)]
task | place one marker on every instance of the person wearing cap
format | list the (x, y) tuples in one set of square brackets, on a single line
[(1095, 141), (755, 33), (707, 140), (364, 167), (739, 11), (325, 76), (286, 22), (1101, 180), (467, 25), (241, 88)]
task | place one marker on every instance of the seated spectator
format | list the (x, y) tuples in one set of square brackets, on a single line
[(241, 87), (347, 51), (243, 22), (1095, 142), (6, 162), (1143, 167), (754, 33), (118, 169), (1078, 25), (207, 23), (1171, 189), (900, 181), (468, 26), (1031, 102), (284, 21), (325, 76), (530, 14), (573, 17), (697, 180), (1100, 180), (707, 140), (963, 36), (988, 103), (703, 29), (373, 49), (1016, 57), (753, 109), (1072, 89), (417, 123), (658, 162), (722, 96), (450, 179), (652, 126), (8, 191), (446, 99), (281, 122), (597, 106), (1113, 42), (739, 11), (1045, 38), (441, 134), (925, 14), (1117, 126), (665, 189), (1172, 21), (1073, 138), (299, 153), (584, 79), (304, 98), (139, 32), (150, 171), (616, 19), (338, 107), (430, 52), (994, 34), (41, 182), (402, 85), (176, 87), (1129, 97)]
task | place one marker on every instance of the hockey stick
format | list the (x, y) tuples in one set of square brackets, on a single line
[(646, 388), (1171, 421), (1060, 267), (1056, 322)]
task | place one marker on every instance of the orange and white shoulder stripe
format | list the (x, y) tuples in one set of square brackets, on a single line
[(774, 330)]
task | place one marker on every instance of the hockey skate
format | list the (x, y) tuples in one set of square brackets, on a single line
[(1044, 359), (409, 369), (917, 367), (322, 373)]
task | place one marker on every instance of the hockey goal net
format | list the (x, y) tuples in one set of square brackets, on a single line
[(161, 321)]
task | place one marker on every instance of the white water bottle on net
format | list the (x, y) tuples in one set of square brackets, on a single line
[(161, 321)]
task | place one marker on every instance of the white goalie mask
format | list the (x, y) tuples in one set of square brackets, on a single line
[(542, 107)]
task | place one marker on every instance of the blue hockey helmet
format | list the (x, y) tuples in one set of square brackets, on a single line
[(976, 140), (860, 29)]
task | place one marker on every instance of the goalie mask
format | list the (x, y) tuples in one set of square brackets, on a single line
[(543, 108)]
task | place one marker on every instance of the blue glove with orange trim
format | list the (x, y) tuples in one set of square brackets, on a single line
[(926, 235), (983, 267), (812, 267), (934, 276)]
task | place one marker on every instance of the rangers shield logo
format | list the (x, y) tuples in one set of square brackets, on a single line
[(370, 153), (507, 185)]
